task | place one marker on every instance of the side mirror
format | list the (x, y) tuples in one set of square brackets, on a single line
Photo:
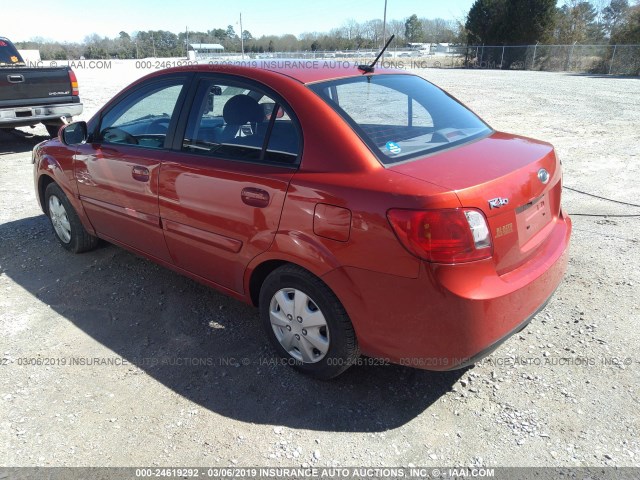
[(73, 134), (268, 107), (214, 91)]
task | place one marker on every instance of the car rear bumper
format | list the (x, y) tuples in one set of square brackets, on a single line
[(24, 116), (494, 346), (451, 315)]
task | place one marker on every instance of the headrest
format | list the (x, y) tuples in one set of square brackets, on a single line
[(242, 109)]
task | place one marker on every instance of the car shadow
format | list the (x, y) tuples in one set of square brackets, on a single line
[(201, 344), (19, 141)]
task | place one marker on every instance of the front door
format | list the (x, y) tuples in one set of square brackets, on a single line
[(118, 170), (222, 196)]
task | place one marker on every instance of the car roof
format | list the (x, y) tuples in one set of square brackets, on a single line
[(302, 70)]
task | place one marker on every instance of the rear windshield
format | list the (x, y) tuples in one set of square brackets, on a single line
[(9, 55), (401, 117)]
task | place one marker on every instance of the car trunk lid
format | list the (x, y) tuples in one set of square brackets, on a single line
[(503, 176)]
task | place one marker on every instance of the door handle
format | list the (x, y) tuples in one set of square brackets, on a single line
[(140, 173), (15, 78)]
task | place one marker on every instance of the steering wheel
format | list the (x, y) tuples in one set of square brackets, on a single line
[(117, 135), (163, 123)]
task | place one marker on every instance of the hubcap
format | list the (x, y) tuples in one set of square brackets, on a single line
[(59, 219), (299, 325)]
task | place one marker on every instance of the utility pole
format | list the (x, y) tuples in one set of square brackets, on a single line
[(384, 29), (571, 54), (241, 37), (613, 57), (384, 24), (186, 34)]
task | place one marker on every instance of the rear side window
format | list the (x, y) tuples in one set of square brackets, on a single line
[(401, 117), (240, 122), (143, 118), (9, 55)]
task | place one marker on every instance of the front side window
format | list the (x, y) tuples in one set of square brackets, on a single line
[(235, 121), (401, 117), (142, 118)]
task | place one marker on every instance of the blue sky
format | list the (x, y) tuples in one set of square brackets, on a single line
[(72, 20)]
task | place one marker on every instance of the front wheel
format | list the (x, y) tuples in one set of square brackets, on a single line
[(306, 323), (66, 223)]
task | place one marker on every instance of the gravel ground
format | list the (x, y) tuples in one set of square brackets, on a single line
[(564, 392)]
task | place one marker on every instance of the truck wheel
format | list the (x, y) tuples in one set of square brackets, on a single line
[(66, 223), (306, 323), (52, 129)]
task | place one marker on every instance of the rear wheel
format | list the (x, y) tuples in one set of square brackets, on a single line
[(306, 323), (66, 224)]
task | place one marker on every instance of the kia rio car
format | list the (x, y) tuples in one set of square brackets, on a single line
[(362, 212)]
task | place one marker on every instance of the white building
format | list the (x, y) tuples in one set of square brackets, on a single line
[(199, 50)]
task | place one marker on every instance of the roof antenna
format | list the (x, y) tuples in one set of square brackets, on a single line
[(371, 68)]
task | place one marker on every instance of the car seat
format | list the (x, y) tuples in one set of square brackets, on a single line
[(243, 117)]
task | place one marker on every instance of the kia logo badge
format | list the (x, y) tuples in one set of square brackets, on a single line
[(498, 202), (543, 175)]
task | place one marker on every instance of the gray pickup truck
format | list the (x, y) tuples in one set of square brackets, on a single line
[(29, 96)]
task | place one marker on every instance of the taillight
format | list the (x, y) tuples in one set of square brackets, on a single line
[(443, 236), (75, 91)]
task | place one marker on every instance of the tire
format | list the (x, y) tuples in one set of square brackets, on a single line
[(295, 307), (52, 129), (65, 221)]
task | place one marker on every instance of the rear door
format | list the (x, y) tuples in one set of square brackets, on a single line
[(118, 170), (221, 197)]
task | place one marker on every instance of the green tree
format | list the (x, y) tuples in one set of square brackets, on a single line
[(413, 29), (486, 22), (614, 16), (511, 22), (95, 47), (576, 23), (219, 33), (123, 46), (529, 21), (629, 30)]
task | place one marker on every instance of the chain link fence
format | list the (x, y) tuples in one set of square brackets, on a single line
[(594, 59)]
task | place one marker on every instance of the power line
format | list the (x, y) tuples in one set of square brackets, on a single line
[(601, 198)]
